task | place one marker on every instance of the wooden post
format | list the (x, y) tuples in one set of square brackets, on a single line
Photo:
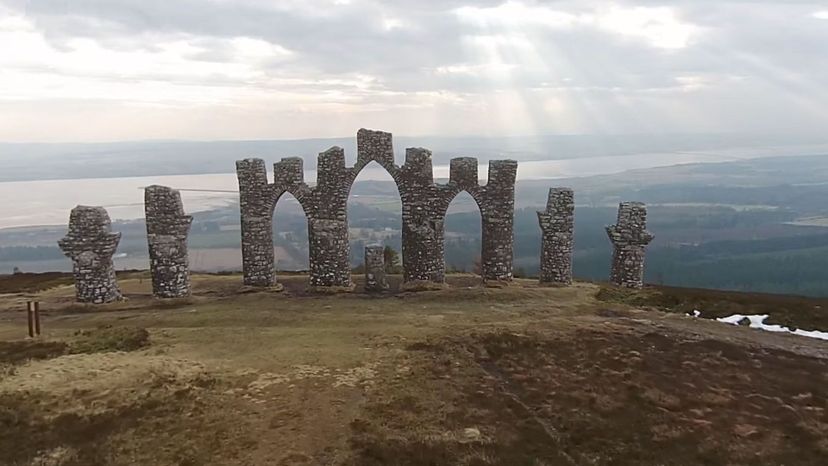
[(30, 316), (37, 317)]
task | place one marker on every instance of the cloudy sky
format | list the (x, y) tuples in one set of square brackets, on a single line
[(105, 70)]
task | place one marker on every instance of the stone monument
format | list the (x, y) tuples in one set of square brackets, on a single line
[(91, 244), (630, 238), (424, 206), (557, 223), (167, 231)]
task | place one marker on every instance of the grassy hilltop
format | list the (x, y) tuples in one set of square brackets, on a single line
[(468, 375)]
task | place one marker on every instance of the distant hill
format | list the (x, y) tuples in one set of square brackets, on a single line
[(145, 158), (752, 225)]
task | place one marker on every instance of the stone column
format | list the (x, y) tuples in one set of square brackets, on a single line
[(424, 207), (256, 205), (497, 210), (328, 246), (375, 268), (630, 237), (328, 222), (167, 230), (91, 244), (558, 225)]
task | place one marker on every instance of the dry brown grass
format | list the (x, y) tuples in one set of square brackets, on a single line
[(465, 375)]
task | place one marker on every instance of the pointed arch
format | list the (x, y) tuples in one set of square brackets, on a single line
[(463, 234), (374, 215), (290, 234)]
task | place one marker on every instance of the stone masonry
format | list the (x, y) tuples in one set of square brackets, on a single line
[(497, 209), (558, 225), (375, 268), (91, 244), (630, 237), (424, 206), (167, 230)]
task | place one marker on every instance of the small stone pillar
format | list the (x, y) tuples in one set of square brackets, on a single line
[(630, 237), (558, 226), (91, 244), (167, 230), (375, 268)]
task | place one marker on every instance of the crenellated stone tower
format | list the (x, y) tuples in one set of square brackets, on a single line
[(424, 206), (91, 244), (630, 238), (167, 230), (557, 223)]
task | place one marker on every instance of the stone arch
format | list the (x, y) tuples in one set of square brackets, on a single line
[(496, 201), (374, 146), (464, 197), (352, 202), (324, 206), (293, 193), (283, 200), (424, 205), (453, 194)]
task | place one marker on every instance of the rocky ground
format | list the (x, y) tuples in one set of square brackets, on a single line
[(467, 375)]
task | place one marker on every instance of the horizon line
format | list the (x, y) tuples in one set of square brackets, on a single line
[(429, 136)]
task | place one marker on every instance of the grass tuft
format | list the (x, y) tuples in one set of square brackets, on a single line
[(20, 351), (109, 338)]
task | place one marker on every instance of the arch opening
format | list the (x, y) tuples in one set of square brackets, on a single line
[(290, 235), (463, 236), (375, 217)]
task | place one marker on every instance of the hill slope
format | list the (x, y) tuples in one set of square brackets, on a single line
[(467, 375)]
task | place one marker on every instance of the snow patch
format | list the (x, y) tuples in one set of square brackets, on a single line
[(758, 321)]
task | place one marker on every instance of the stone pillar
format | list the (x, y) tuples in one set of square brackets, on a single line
[(91, 244), (328, 222), (375, 268), (256, 203), (328, 246), (630, 237), (167, 230), (424, 207), (497, 210), (558, 225)]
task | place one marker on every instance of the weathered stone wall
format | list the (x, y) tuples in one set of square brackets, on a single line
[(375, 268), (91, 244), (630, 238), (424, 206), (557, 223), (167, 230)]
